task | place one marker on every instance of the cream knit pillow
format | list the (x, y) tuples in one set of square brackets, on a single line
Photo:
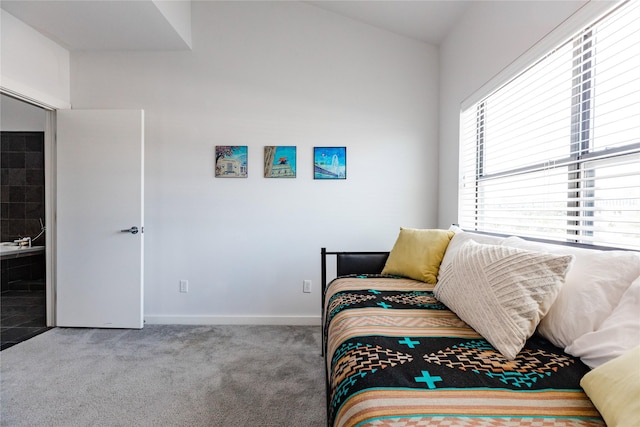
[(502, 292)]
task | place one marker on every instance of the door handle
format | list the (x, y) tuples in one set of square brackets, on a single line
[(132, 230)]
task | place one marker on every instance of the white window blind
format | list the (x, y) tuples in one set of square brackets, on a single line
[(555, 152)]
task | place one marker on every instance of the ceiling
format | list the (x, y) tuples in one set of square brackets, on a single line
[(428, 21), (139, 25), (99, 24)]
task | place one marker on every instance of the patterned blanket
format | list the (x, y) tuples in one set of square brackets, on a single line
[(398, 357)]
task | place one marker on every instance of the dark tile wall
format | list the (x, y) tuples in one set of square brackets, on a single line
[(23, 274), (21, 185)]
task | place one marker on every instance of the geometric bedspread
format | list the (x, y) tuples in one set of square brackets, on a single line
[(396, 356)]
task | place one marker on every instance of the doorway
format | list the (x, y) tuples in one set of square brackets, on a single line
[(116, 299), (22, 221)]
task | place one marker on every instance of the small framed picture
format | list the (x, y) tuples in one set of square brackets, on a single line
[(280, 161), (329, 162), (231, 161)]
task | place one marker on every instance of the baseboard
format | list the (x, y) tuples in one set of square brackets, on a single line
[(231, 320)]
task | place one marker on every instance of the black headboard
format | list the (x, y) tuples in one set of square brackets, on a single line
[(354, 263), (360, 263)]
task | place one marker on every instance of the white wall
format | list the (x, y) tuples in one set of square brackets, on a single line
[(31, 65), (271, 73), (19, 116), (489, 37)]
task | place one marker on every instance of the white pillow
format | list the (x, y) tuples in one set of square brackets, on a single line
[(619, 332), (501, 292), (593, 288), (459, 239)]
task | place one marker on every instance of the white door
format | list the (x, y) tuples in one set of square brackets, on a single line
[(100, 190)]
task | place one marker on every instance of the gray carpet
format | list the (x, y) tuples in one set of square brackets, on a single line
[(165, 375)]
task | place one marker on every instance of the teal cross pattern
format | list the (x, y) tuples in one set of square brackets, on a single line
[(409, 342), (373, 291), (428, 379), (384, 305)]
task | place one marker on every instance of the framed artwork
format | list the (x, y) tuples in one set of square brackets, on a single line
[(231, 161), (329, 162), (280, 161)]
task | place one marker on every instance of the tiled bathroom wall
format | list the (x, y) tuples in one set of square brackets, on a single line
[(21, 185)]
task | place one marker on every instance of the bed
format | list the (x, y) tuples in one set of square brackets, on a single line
[(396, 356)]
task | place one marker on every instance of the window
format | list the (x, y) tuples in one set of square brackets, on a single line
[(555, 152)]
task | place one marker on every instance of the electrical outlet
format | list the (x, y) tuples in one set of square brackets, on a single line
[(184, 286), (306, 286)]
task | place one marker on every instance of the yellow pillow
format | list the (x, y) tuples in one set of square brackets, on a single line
[(614, 388), (417, 254)]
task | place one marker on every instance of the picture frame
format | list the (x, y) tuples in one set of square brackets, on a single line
[(329, 162), (280, 161), (231, 161)]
